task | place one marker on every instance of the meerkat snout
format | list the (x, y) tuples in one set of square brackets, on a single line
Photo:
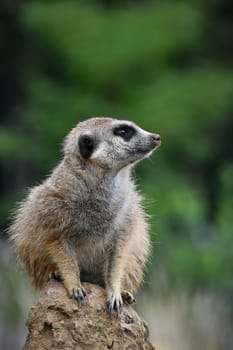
[(156, 138), (155, 141)]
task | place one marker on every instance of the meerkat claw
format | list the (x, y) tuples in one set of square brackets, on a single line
[(114, 304), (79, 294)]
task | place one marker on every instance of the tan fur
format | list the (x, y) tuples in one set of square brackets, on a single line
[(86, 220)]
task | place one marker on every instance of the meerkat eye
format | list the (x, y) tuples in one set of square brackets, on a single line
[(125, 131)]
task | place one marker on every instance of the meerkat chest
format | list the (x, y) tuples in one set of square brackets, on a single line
[(95, 213), (104, 208)]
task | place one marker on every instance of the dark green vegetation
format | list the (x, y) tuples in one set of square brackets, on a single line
[(168, 65)]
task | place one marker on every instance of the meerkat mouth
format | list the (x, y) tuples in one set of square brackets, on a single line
[(153, 146), (156, 144)]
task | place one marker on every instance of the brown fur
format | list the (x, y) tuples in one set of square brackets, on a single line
[(86, 220)]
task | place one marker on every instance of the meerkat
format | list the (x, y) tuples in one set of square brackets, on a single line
[(85, 222)]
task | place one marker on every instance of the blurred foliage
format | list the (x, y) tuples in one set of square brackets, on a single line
[(167, 65)]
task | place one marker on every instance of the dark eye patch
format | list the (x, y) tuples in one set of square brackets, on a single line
[(125, 131)]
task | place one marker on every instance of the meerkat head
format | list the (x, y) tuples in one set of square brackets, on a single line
[(110, 144)]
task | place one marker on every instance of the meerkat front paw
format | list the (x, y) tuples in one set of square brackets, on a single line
[(115, 303), (127, 297), (78, 294)]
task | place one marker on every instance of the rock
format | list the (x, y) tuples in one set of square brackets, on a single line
[(58, 322)]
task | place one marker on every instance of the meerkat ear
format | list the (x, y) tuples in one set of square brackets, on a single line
[(86, 146)]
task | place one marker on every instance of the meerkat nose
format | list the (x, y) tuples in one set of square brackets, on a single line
[(156, 138)]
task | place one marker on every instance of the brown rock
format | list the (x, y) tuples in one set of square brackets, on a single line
[(58, 322)]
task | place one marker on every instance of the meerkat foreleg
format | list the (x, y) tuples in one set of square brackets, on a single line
[(114, 273), (68, 269)]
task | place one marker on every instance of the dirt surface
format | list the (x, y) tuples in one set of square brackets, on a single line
[(58, 322)]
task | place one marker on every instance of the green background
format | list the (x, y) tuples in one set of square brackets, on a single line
[(168, 66)]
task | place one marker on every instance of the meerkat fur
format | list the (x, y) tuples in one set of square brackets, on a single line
[(86, 222)]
